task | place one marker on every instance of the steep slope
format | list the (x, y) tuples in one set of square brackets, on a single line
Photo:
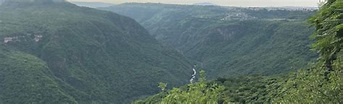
[(229, 41), (25, 78), (86, 55), (321, 82)]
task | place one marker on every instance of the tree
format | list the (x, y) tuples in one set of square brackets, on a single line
[(322, 82), (196, 93), (329, 31), (162, 86)]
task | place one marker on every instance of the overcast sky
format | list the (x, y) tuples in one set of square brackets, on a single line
[(240, 3)]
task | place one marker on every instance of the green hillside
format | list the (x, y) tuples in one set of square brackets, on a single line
[(56, 52), (323, 81), (25, 78), (229, 41), (320, 82)]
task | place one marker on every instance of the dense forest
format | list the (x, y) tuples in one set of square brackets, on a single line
[(319, 83), (56, 52), (229, 41)]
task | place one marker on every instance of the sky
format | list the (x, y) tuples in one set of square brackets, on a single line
[(239, 3)]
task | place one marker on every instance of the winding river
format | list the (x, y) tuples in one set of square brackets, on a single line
[(193, 75)]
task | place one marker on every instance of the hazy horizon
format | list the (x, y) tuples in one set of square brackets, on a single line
[(239, 3)]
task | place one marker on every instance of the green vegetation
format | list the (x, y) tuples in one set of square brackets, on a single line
[(250, 89), (57, 52), (322, 82), (198, 93), (319, 83), (245, 89), (52, 51), (229, 41), (25, 78), (194, 93)]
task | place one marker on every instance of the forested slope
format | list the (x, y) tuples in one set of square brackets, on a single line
[(322, 82), (55, 52), (319, 83), (229, 41)]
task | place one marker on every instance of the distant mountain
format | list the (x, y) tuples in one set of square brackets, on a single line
[(93, 4), (205, 4), (14, 2), (229, 41), (301, 8), (59, 53)]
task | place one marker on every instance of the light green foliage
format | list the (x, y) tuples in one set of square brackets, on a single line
[(322, 82), (307, 86), (197, 93), (329, 29), (238, 90), (162, 86), (200, 92)]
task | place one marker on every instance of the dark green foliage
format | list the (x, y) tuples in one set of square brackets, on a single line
[(82, 55), (25, 78), (250, 89), (229, 41), (154, 99)]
